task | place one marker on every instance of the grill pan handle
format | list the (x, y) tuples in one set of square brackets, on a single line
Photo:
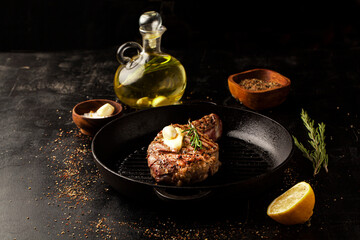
[(164, 194)]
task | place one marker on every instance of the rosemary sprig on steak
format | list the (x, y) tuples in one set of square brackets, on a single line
[(195, 141)]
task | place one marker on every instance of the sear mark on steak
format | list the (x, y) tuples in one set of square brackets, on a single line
[(209, 125), (187, 166)]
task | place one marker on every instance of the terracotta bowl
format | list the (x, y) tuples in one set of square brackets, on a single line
[(90, 126), (261, 99)]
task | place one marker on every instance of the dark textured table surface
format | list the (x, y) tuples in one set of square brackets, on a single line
[(50, 187)]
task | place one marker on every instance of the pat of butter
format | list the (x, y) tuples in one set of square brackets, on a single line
[(169, 132), (105, 110), (173, 137)]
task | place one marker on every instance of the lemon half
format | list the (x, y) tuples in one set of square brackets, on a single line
[(295, 206)]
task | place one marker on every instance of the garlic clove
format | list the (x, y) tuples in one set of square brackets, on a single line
[(160, 101), (143, 102), (105, 110)]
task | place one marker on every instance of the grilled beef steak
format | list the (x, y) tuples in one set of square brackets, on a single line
[(186, 165)]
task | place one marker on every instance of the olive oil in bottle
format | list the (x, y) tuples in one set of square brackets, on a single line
[(152, 78)]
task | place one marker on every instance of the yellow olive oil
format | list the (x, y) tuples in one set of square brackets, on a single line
[(151, 80)]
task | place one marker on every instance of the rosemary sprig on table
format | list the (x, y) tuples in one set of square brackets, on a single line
[(195, 141), (318, 155)]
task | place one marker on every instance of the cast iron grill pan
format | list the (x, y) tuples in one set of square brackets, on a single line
[(240, 161), (253, 149)]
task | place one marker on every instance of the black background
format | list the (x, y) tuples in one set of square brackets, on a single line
[(227, 25)]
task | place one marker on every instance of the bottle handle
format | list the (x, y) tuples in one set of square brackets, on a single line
[(120, 52)]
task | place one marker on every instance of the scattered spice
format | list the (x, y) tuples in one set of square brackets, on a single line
[(75, 178), (73, 175), (254, 84)]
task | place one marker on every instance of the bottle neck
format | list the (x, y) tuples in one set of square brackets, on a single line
[(152, 44), (152, 39)]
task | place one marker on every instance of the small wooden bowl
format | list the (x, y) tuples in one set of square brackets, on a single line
[(261, 99), (89, 126)]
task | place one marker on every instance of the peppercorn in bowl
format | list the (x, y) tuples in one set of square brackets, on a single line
[(259, 89)]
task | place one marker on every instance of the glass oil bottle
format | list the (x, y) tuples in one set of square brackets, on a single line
[(151, 78)]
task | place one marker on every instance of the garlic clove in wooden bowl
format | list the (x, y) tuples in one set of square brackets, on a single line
[(89, 125)]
